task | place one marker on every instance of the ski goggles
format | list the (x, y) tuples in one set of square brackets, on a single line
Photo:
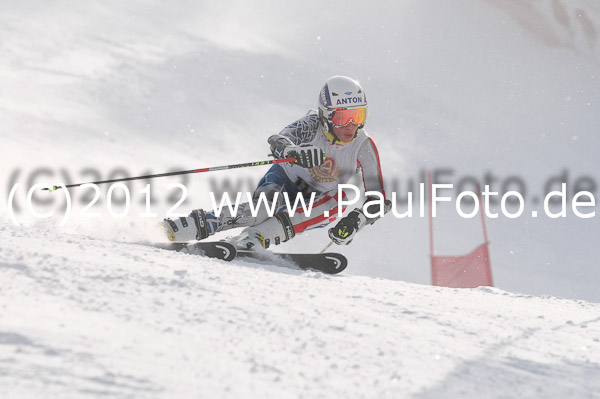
[(343, 117)]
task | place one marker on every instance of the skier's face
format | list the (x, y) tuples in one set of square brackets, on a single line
[(346, 133)]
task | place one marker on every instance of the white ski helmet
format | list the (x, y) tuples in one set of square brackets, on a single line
[(341, 93)]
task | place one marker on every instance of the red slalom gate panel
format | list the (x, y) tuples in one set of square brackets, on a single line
[(468, 271)]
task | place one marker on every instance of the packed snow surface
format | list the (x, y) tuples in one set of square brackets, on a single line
[(82, 317)]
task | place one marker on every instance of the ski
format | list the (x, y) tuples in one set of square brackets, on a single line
[(329, 262), (212, 249)]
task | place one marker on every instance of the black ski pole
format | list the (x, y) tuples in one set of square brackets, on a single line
[(200, 170)]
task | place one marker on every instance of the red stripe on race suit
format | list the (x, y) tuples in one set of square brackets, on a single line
[(299, 228), (319, 202)]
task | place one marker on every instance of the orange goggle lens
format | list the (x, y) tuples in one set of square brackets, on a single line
[(343, 117)]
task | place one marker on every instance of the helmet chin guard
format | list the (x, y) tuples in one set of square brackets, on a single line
[(339, 92)]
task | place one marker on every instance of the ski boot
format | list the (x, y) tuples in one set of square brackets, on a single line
[(274, 230), (196, 226)]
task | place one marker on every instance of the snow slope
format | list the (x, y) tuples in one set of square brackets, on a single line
[(82, 317)]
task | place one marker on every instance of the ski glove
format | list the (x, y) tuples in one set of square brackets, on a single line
[(307, 155), (344, 232), (347, 227)]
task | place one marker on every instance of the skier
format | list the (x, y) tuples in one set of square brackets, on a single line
[(330, 147)]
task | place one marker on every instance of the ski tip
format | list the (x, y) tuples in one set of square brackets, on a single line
[(228, 251), (337, 262), (214, 249)]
